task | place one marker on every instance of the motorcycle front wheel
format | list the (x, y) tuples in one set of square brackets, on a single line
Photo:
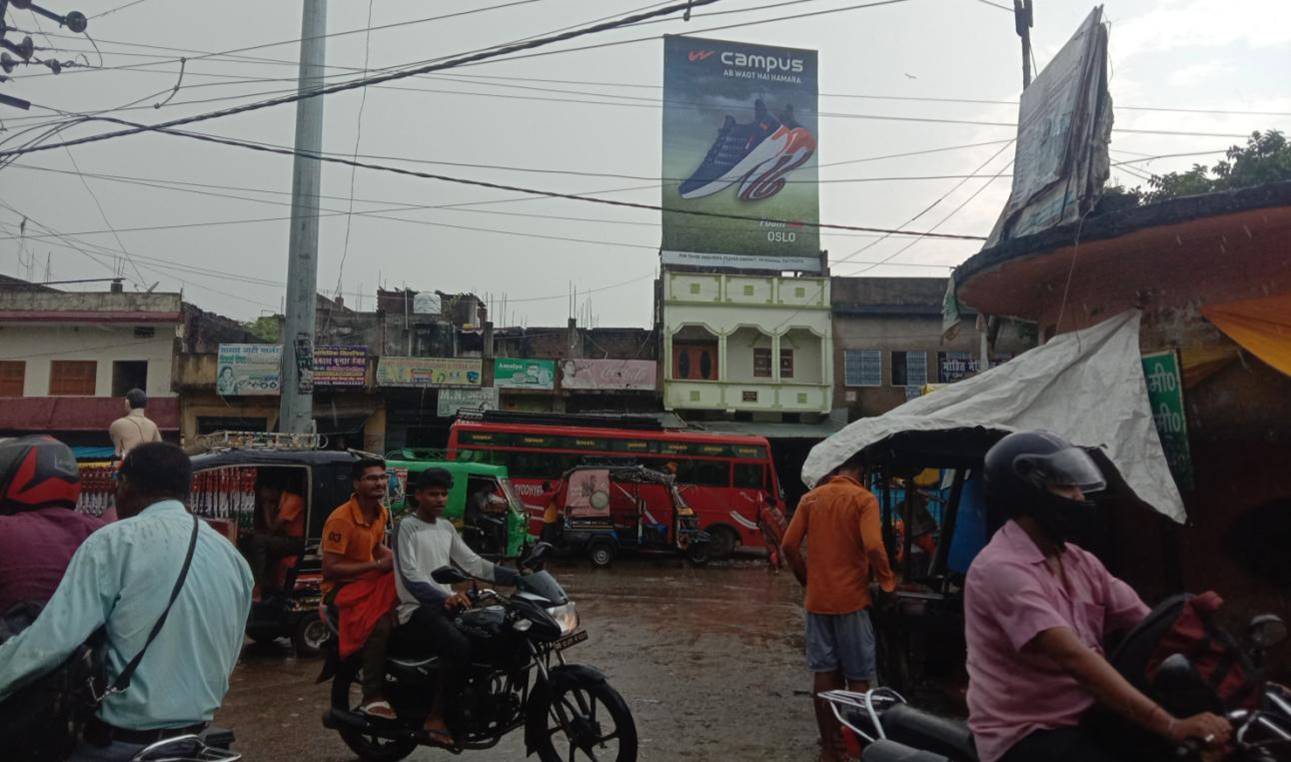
[(588, 720)]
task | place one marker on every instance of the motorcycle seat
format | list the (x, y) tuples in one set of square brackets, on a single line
[(913, 727), (891, 751)]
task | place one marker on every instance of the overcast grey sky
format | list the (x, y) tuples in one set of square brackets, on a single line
[(1198, 54)]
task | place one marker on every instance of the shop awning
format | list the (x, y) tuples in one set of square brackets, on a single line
[(1086, 385), (1262, 326), (54, 414)]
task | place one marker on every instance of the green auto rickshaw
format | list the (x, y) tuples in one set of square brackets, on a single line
[(482, 504)]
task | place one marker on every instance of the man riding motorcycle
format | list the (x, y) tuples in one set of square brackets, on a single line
[(1037, 609), (424, 541)]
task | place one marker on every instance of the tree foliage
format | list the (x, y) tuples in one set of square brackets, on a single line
[(1266, 158), (265, 328)]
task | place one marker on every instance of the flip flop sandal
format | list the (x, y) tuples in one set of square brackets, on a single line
[(379, 709)]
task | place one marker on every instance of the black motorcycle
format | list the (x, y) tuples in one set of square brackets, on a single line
[(890, 730), (519, 678)]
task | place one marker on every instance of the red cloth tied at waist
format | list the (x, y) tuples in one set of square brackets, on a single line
[(361, 604)]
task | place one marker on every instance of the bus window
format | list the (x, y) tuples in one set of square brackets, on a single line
[(749, 476), (711, 473)]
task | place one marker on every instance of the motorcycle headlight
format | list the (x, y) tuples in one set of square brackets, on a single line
[(566, 616)]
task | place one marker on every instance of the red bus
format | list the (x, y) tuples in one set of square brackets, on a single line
[(727, 479)]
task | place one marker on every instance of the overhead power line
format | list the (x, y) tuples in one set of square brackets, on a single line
[(387, 77), (130, 4), (283, 151)]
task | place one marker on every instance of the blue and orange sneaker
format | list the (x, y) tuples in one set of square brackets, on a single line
[(757, 155)]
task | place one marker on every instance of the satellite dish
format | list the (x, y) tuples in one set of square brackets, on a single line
[(600, 500)]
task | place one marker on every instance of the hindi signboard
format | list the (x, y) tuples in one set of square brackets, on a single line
[(740, 185), (452, 401), (1165, 395), (422, 372), (340, 365), (608, 374), (248, 370), (516, 373)]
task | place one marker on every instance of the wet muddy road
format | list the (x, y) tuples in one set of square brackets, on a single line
[(708, 660)]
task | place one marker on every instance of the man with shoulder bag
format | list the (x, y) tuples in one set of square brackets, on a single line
[(169, 598)]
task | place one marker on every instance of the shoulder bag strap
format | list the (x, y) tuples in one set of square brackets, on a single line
[(123, 680)]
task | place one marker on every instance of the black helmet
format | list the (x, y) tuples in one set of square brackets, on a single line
[(37, 472), (1023, 468)]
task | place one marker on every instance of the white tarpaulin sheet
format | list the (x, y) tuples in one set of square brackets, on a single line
[(1086, 386)]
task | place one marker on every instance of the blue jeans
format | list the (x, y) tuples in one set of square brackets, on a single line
[(113, 752)]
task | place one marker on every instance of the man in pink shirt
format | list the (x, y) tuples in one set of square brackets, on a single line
[(1037, 609)]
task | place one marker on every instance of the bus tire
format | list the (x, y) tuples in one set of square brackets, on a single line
[(725, 541), (601, 552)]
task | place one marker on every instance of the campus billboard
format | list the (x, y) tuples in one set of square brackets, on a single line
[(740, 184)]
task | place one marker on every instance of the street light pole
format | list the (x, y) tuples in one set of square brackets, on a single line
[(296, 414)]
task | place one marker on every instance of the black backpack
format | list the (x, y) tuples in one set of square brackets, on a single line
[(42, 721)]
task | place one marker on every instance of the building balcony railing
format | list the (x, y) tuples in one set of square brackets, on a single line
[(752, 396)]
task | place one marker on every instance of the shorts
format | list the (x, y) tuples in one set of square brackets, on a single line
[(842, 643)]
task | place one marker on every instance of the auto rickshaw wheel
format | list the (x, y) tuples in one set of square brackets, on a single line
[(725, 541), (699, 553), (309, 636), (601, 552)]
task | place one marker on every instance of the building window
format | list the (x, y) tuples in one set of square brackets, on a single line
[(952, 366), (909, 368), (127, 375), (12, 373), (863, 367), (786, 363), (761, 362), (72, 378)]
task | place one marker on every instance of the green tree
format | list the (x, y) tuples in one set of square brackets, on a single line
[(265, 328), (1266, 158)]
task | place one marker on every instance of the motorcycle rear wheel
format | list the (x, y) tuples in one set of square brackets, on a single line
[(369, 748), (588, 714)]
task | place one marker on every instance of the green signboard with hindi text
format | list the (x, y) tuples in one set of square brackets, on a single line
[(1165, 395)]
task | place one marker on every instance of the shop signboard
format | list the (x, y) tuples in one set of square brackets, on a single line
[(340, 365), (248, 370), (424, 372), (516, 373), (1165, 395), (608, 374)]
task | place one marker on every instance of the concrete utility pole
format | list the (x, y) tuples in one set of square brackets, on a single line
[(1022, 22), (297, 412)]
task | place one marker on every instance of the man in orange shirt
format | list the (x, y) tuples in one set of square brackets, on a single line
[(280, 531), (839, 519), (354, 545)]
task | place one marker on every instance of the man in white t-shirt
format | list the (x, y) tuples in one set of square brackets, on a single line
[(425, 542)]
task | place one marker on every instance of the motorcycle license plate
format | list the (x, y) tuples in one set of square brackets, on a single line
[(570, 640)]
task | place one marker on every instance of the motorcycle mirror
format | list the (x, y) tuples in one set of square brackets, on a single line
[(1175, 674), (534, 559), (1267, 630), (447, 575)]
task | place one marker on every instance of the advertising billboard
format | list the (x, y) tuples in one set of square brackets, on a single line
[(248, 369), (608, 374), (515, 373), (340, 365), (740, 126), (421, 372)]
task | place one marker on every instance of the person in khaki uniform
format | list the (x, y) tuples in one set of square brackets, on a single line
[(134, 428)]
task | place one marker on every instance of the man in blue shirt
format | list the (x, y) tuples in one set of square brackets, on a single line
[(121, 579)]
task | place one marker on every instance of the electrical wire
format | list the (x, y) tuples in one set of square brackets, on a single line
[(118, 8), (358, 137), (284, 151), (504, 50)]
